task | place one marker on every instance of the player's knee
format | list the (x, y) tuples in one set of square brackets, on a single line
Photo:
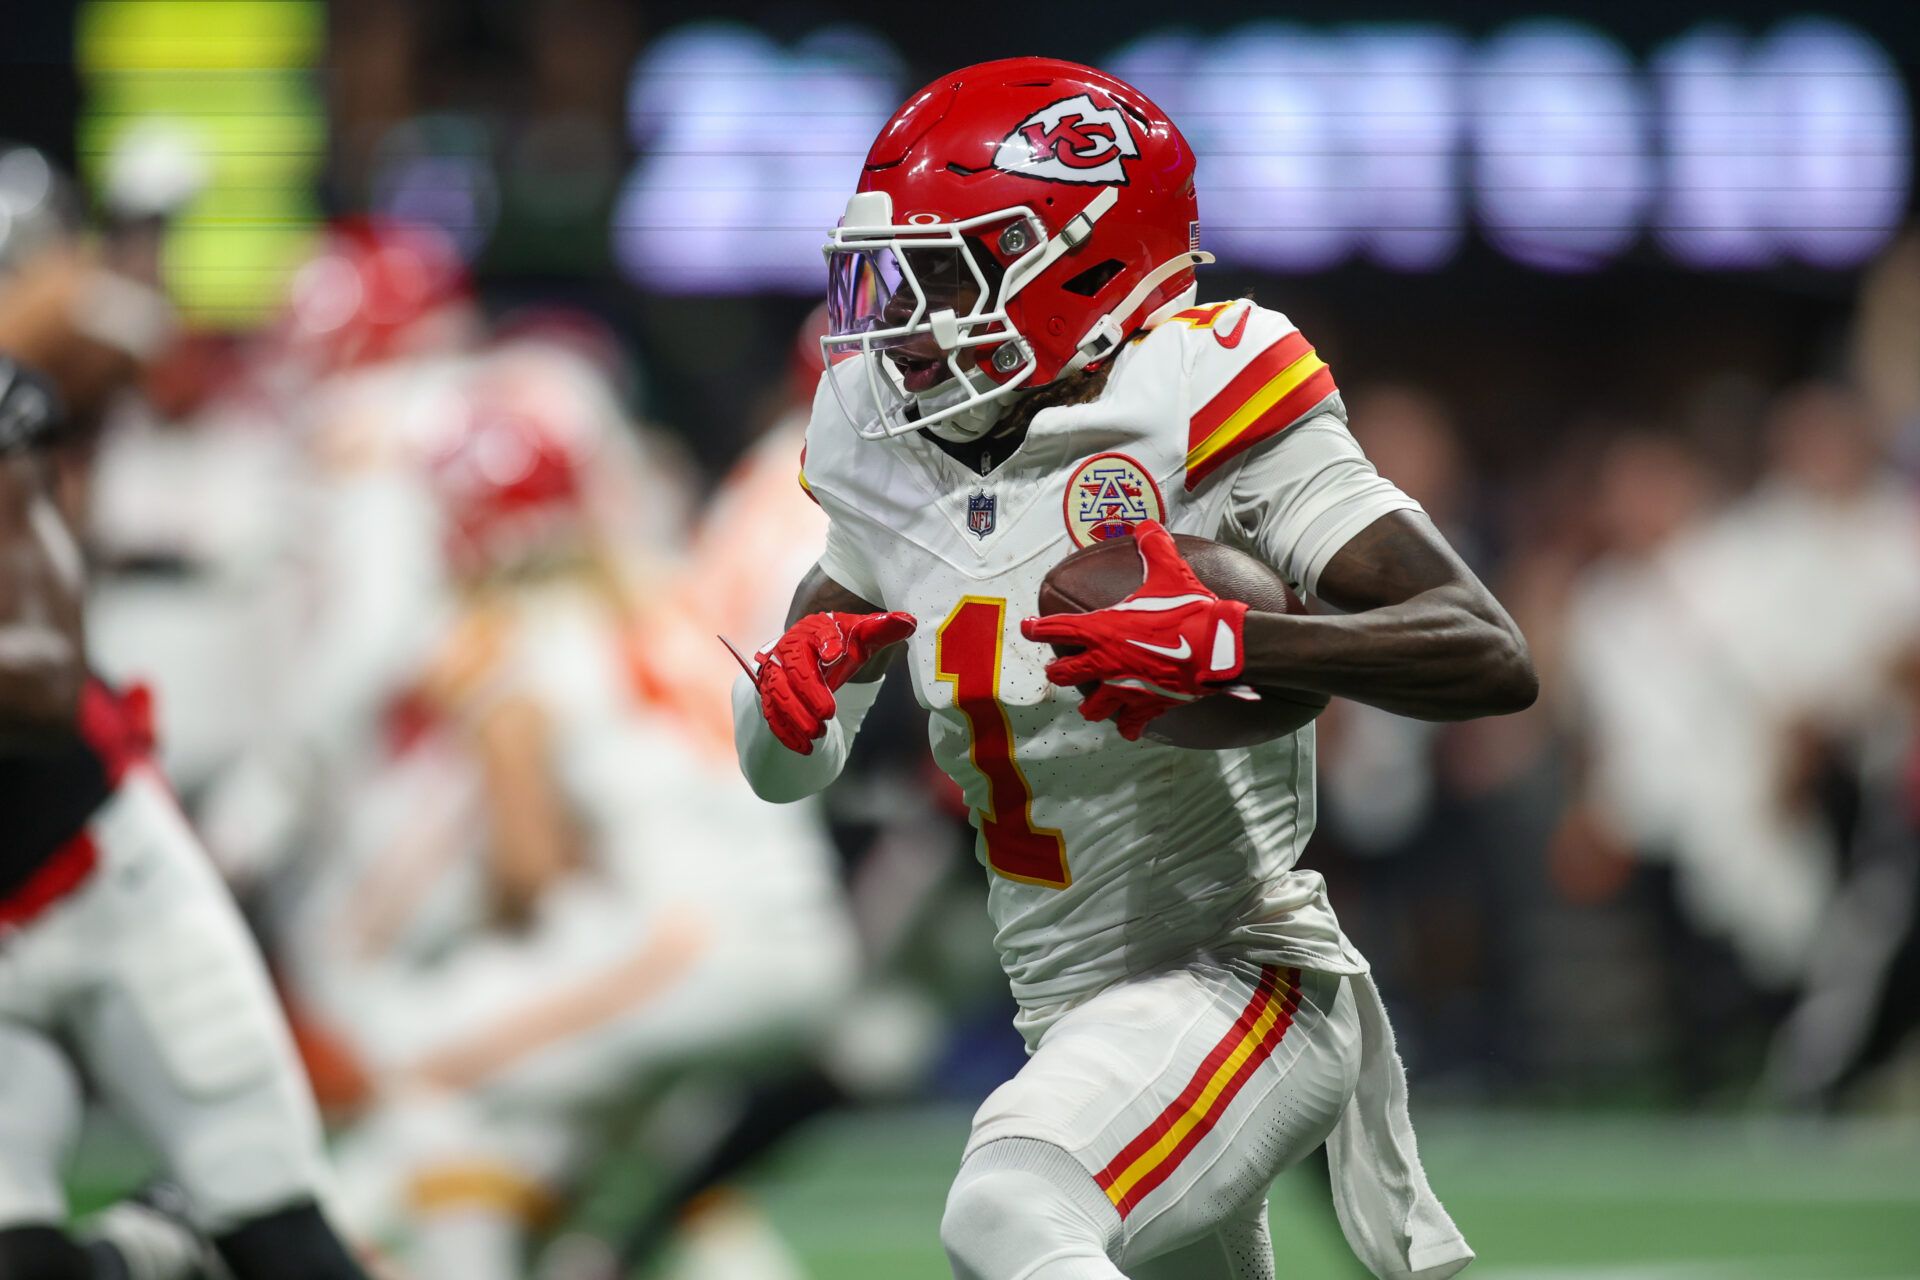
[(979, 1210), (41, 1253), (295, 1243), (1001, 1221)]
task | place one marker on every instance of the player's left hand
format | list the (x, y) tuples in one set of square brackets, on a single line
[(1169, 642)]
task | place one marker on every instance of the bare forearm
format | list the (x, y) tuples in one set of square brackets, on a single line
[(1432, 657), (534, 840), (817, 593), (1419, 635)]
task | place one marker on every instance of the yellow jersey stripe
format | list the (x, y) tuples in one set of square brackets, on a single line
[(1250, 412)]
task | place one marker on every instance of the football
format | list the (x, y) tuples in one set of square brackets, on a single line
[(1105, 573)]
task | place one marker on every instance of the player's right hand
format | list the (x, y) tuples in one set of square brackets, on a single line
[(797, 674)]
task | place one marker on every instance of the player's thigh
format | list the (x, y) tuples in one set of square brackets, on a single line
[(39, 1119), (1295, 1108), (1185, 1093), (181, 1030), (1240, 1248)]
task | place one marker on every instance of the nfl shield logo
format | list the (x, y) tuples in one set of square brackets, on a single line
[(980, 514)]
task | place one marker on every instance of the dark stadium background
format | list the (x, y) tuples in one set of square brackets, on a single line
[(1516, 349)]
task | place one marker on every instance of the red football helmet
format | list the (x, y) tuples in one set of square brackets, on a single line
[(374, 290), (510, 476), (1059, 197)]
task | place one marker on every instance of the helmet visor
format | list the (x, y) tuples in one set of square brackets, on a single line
[(879, 289), (860, 283)]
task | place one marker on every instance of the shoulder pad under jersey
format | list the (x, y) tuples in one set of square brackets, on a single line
[(1250, 374), (827, 448), (844, 473)]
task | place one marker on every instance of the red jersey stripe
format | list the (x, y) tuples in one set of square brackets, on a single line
[(1259, 371), (1270, 1041), (1136, 1170), (63, 872), (1286, 411), (1256, 1004)]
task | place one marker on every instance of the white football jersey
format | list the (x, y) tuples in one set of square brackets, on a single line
[(1111, 858)]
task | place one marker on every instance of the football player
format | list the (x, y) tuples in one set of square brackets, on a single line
[(376, 337), (1014, 278), (120, 951), (558, 891)]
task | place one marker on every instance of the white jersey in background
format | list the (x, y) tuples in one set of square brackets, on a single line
[(192, 533), (1109, 858), (666, 830), (495, 1049)]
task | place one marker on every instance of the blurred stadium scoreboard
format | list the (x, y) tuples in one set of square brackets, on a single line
[(226, 89), (1725, 146), (1413, 140)]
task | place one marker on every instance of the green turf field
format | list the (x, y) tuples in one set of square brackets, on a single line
[(1541, 1197)]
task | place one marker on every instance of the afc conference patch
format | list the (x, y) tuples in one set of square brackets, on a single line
[(1108, 494), (980, 508)]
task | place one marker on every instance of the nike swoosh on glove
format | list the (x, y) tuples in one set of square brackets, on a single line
[(798, 673), (1169, 642)]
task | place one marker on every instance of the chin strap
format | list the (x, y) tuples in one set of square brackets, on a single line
[(971, 423), (1107, 335)]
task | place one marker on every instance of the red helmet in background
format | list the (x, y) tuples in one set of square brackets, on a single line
[(510, 476), (375, 289), (1068, 197)]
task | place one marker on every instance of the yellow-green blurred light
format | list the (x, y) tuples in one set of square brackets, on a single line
[(237, 76)]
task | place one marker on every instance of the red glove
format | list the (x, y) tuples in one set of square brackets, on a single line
[(1130, 706), (1169, 642), (798, 672)]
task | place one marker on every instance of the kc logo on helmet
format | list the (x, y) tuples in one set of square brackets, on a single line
[(1071, 140)]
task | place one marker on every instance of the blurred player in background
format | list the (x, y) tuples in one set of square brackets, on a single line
[(1015, 276), (247, 513), (757, 534), (1862, 999), (379, 331), (377, 350), (1729, 748), (121, 954), (550, 890)]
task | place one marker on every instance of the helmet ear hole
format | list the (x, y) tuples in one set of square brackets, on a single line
[(1094, 278)]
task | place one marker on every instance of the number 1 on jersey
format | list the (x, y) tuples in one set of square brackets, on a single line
[(967, 656)]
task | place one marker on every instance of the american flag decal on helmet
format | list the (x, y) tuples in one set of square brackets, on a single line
[(1193, 236)]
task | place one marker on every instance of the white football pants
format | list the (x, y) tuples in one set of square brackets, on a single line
[(1142, 1136), (148, 978)]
